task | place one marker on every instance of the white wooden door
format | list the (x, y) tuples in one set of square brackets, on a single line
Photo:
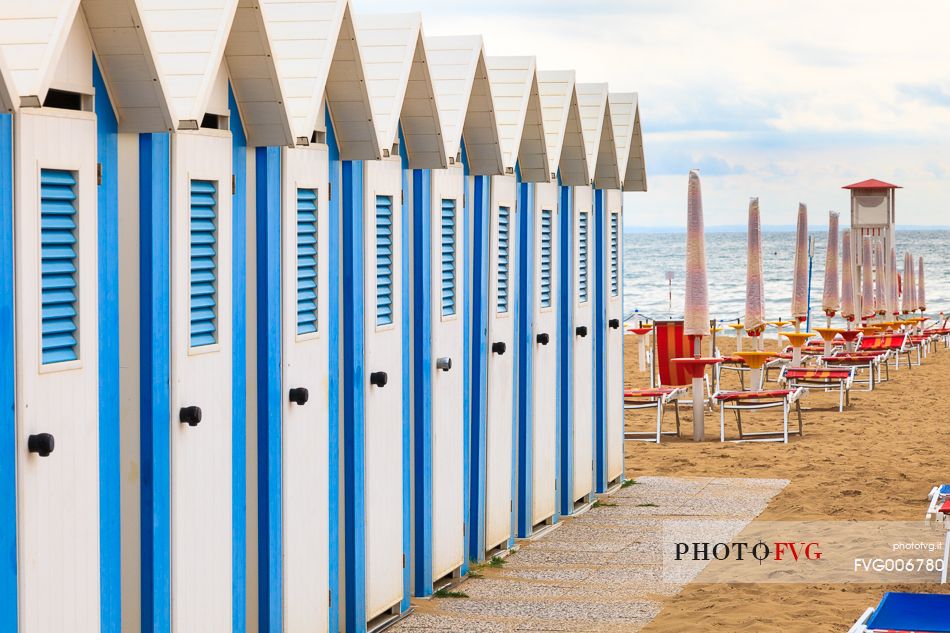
[(201, 356), (614, 341), (57, 372), (583, 337), (305, 381), (382, 283), (501, 346), (544, 403), (446, 266)]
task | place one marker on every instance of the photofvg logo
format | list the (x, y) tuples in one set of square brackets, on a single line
[(801, 551), (778, 551)]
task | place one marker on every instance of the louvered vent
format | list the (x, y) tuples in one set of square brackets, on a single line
[(448, 257), (306, 261), (204, 262), (546, 257), (582, 257), (614, 254), (59, 265), (504, 254), (384, 260)]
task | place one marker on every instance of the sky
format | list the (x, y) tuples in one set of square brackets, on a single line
[(787, 101)]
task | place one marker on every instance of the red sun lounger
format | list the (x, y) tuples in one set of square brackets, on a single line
[(739, 401), (825, 378)]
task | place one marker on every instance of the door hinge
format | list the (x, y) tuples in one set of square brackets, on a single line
[(402, 197), (98, 173), (329, 191), (403, 561), (511, 506), (233, 184), (329, 598)]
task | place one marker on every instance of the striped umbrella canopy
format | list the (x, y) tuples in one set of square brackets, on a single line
[(893, 305), (907, 294), (847, 278), (831, 299), (800, 278), (921, 295), (754, 282), (867, 280), (696, 308), (880, 279)]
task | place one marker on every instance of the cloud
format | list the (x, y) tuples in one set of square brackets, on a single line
[(928, 94)]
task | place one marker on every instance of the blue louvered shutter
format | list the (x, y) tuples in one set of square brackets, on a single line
[(307, 290), (384, 260), (614, 254), (59, 262), (504, 257), (547, 256), (582, 257), (204, 262), (448, 257)]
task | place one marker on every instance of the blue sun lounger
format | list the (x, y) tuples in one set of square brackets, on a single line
[(907, 612)]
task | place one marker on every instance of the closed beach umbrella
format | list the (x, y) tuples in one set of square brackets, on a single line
[(754, 283), (921, 295), (867, 280), (880, 280), (697, 293), (847, 278), (893, 305), (907, 292), (831, 299), (800, 278)]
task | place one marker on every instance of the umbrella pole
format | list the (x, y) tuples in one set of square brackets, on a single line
[(643, 354), (699, 397), (827, 343)]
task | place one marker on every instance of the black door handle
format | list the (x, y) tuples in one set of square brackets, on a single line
[(581, 330), (614, 324), (498, 348), (379, 378), (190, 415), (299, 395), (444, 363), (42, 444), (543, 338)]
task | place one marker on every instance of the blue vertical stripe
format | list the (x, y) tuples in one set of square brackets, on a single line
[(407, 197), (333, 344), (354, 390), (110, 550), (422, 382), (8, 552), (155, 379), (307, 258), (269, 392), (238, 373), (600, 340), (467, 203), (59, 241), (565, 353), (524, 358)]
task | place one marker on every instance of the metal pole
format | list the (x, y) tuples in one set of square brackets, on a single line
[(811, 257), (699, 397)]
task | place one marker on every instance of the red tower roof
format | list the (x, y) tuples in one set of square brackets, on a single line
[(873, 183)]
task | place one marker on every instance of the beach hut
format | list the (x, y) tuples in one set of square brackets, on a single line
[(606, 227), (514, 88), (567, 165), (409, 135), (59, 388), (631, 167), (444, 208)]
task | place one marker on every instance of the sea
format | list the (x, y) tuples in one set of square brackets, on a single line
[(647, 258)]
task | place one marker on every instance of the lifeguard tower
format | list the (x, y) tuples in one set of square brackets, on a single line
[(872, 215)]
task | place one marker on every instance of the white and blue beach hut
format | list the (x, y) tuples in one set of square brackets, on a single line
[(446, 203)]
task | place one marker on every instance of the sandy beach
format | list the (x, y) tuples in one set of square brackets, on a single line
[(875, 461)]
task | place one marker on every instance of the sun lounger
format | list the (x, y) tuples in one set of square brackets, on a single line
[(938, 496), (669, 342), (908, 613), (824, 378), (739, 401)]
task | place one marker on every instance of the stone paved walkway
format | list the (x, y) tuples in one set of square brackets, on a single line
[(601, 570)]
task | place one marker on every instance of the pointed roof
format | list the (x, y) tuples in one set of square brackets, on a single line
[(463, 95), (598, 135), (128, 66), (7, 96), (514, 88), (400, 86), (317, 58), (187, 40), (873, 183), (625, 117), (254, 79), (563, 131)]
